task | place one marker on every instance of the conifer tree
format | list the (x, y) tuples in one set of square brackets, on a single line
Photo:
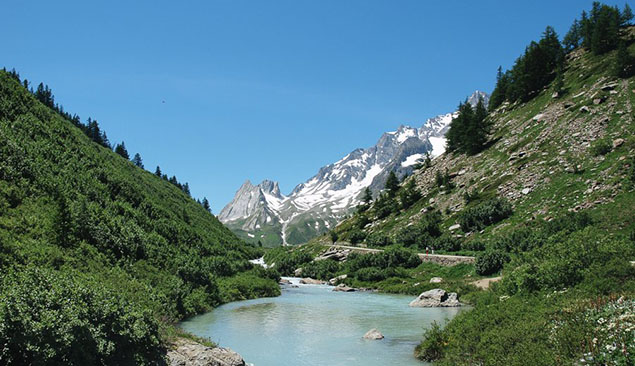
[(624, 62), (186, 189), (157, 172), (136, 160), (409, 194), (392, 184), (627, 16), (121, 150), (572, 39), (368, 196), (206, 205)]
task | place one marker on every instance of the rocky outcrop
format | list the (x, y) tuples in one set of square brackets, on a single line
[(343, 288), (373, 334), (189, 353), (436, 298), (311, 281), (333, 281), (334, 253)]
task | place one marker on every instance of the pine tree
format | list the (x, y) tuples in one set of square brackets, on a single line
[(478, 129), (206, 205), (136, 160), (571, 40), (624, 62), (409, 195), (368, 196), (392, 184), (627, 16), (157, 172), (186, 189), (121, 150)]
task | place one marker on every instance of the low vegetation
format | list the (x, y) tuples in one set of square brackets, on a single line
[(98, 257)]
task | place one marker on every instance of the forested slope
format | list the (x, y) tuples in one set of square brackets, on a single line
[(98, 256)]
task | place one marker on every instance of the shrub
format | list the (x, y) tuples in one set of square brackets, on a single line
[(447, 243), (601, 147), (485, 214), (370, 274), (473, 245), (431, 348), (323, 269), (490, 262), (356, 236), (379, 239), (50, 317)]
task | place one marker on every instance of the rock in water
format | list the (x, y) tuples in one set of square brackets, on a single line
[(190, 353), (311, 281), (343, 288), (373, 334), (436, 298)]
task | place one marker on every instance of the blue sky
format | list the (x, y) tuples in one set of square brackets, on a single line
[(265, 89)]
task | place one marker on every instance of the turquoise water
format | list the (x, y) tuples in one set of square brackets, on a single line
[(314, 326)]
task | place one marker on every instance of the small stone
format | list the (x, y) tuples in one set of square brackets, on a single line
[(584, 109), (608, 87), (617, 143), (454, 227), (436, 280), (597, 101), (539, 117), (525, 191), (373, 334)]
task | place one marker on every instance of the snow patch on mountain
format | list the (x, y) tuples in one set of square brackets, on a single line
[(318, 204)]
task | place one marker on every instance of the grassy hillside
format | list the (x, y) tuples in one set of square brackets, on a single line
[(549, 205), (97, 256)]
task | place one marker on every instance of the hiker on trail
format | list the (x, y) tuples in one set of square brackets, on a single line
[(427, 248)]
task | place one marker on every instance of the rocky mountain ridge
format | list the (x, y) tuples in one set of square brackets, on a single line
[(262, 213)]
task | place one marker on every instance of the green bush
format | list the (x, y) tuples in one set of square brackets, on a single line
[(490, 262), (379, 239), (431, 348), (370, 274), (475, 245), (485, 214), (50, 317), (323, 269), (356, 236), (601, 147), (447, 243)]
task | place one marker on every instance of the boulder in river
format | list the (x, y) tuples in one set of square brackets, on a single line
[(189, 353), (373, 334), (436, 298), (284, 281), (297, 272), (311, 281), (343, 288)]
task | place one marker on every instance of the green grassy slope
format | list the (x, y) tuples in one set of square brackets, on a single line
[(566, 165), (96, 254)]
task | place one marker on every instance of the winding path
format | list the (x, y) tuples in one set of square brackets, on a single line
[(443, 259)]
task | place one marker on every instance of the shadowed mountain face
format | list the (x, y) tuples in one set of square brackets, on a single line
[(261, 213)]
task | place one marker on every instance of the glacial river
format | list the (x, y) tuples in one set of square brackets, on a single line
[(312, 325)]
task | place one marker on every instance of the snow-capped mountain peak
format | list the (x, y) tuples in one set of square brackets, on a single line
[(318, 204)]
